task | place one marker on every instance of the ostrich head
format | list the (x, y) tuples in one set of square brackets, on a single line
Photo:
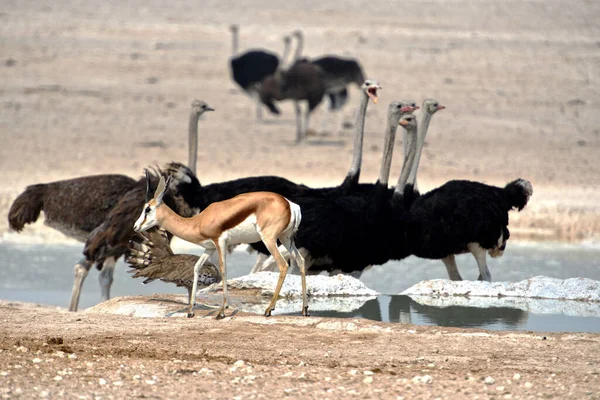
[(370, 87), (199, 107), (397, 109), (432, 106), (408, 122), (234, 28), (148, 218)]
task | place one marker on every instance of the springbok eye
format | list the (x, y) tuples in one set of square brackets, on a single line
[(147, 210)]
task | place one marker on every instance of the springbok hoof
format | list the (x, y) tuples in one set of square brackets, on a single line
[(220, 316), (190, 315), (268, 312), (305, 312)]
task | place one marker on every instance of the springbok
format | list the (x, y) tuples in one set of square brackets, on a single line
[(246, 218)]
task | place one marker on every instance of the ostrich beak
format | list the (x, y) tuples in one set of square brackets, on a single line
[(372, 93), (441, 107), (403, 122), (407, 109)]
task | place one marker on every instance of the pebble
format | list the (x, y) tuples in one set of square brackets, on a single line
[(369, 372), (102, 381), (500, 388), (368, 379), (528, 385), (22, 349), (150, 381), (72, 356), (353, 372), (489, 380), (516, 377)]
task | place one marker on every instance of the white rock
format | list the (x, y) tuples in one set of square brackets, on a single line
[(516, 377), (489, 380), (368, 372), (528, 385), (36, 360), (102, 381), (368, 379), (540, 295)]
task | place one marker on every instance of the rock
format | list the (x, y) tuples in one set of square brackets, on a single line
[(489, 380), (516, 377)]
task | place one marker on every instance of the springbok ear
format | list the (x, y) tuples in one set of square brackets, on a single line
[(164, 187), (148, 192)]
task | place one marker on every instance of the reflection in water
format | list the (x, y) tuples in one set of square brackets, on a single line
[(503, 317), (403, 309)]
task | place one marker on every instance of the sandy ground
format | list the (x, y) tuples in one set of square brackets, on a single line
[(49, 353), (89, 88), (99, 87)]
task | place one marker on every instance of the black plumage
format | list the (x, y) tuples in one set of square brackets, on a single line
[(451, 219), (252, 67), (111, 237)]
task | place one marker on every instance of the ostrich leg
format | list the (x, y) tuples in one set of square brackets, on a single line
[(298, 110), (106, 277), (81, 271), (451, 267), (480, 256)]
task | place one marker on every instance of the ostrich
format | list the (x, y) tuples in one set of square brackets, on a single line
[(338, 74), (301, 82), (250, 68), (75, 207), (460, 216), (245, 218)]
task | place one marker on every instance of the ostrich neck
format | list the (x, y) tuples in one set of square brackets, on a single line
[(421, 134), (359, 129), (388, 150), (409, 160), (286, 54), (177, 225), (234, 43), (299, 46), (193, 141)]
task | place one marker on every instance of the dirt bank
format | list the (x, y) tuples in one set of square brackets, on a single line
[(50, 353)]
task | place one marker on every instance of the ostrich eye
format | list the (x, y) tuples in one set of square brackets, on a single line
[(435, 105)]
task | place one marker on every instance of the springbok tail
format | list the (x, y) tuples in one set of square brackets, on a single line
[(27, 207), (519, 191)]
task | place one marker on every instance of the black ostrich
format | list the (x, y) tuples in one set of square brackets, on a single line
[(338, 73), (460, 216), (76, 207), (251, 67)]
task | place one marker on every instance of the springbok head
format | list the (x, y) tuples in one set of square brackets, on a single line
[(148, 218)]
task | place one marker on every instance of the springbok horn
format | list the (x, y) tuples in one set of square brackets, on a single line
[(148, 192), (164, 189)]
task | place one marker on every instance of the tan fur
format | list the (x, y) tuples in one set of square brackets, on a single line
[(273, 222)]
